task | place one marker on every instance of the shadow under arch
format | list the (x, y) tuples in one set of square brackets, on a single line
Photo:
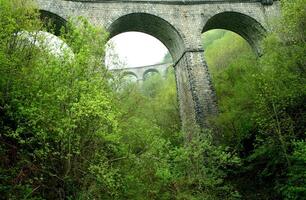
[(53, 22), (145, 74), (245, 26), (152, 25)]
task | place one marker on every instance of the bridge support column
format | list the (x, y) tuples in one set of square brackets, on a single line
[(197, 99)]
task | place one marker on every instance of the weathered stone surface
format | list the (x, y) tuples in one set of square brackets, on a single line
[(265, 2), (179, 25)]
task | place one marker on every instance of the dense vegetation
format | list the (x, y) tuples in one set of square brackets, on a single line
[(262, 106), (71, 130)]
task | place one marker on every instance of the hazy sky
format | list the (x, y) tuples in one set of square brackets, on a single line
[(136, 49)]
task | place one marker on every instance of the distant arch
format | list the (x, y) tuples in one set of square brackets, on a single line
[(129, 73), (53, 22), (152, 25), (149, 71), (247, 27)]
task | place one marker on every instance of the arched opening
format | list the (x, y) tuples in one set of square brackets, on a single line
[(149, 73), (134, 50), (130, 77), (52, 22), (151, 25), (48, 38), (231, 44), (245, 26), (232, 62), (156, 90)]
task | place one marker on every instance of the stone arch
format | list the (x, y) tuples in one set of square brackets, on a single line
[(48, 38), (129, 73), (152, 25), (247, 27), (52, 21), (151, 70)]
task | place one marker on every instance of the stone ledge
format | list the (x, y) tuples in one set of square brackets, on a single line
[(179, 2)]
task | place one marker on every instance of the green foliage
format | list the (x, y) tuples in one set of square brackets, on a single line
[(200, 169), (293, 20), (68, 132), (57, 116), (210, 37), (159, 165), (295, 186), (262, 108), (224, 47)]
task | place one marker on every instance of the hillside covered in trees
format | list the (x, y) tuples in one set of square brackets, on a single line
[(69, 129)]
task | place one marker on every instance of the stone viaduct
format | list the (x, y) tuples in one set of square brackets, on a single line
[(178, 24), (141, 72)]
